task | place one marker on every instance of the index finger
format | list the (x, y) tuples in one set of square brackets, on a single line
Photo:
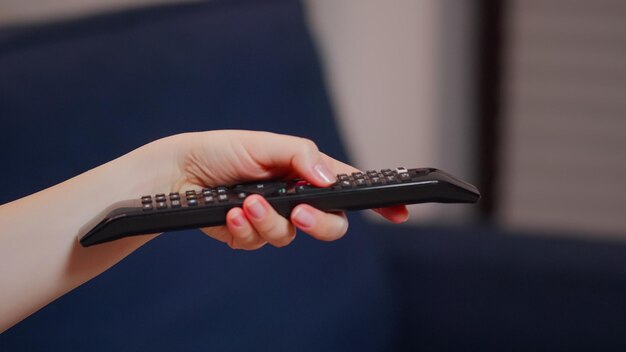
[(298, 154), (303, 156)]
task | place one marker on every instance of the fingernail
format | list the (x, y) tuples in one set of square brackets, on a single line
[(323, 172), (256, 209), (303, 218), (238, 220)]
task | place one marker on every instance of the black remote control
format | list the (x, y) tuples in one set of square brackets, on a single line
[(208, 207)]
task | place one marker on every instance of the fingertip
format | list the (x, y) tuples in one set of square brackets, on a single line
[(396, 214), (311, 165), (303, 218), (255, 206), (323, 174), (320, 225), (235, 217)]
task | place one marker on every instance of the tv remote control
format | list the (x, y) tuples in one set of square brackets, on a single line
[(208, 206)]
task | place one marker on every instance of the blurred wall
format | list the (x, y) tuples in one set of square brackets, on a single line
[(563, 163), (400, 77)]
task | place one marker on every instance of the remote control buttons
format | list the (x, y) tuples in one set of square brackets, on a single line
[(192, 199), (372, 173), (376, 180), (264, 189), (403, 174), (160, 201), (359, 179), (223, 194), (146, 203), (301, 183), (175, 200), (303, 187)]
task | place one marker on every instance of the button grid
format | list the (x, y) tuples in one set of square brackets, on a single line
[(210, 196)]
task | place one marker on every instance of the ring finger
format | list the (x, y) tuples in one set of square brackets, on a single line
[(244, 236)]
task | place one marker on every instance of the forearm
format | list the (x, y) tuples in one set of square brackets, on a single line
[(40, 258)]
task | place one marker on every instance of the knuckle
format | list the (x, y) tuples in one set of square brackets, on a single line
[(344, 228), (253, 246), (247, 245), (244, 238), (284, 240), (308, 145), (241, 234), (232, 243), (270, 229), (257, 245), (335, 231), (280, 244)]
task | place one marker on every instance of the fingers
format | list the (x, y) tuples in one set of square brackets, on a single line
[(261, 155), (253, 226), (289, 152), (267, 223), (322, 226), (258, 223), (244, 235), (396, 214), (238, 233)]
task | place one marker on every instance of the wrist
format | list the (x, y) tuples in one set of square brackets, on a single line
[(147, 170)]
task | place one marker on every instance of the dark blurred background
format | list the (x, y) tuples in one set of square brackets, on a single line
[(524, 98)]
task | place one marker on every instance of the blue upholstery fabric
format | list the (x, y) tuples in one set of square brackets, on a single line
[(75, 95), (486, 290)]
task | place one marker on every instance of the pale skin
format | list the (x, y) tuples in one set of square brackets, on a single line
[(40, 258)]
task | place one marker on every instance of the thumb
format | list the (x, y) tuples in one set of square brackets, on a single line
[(298, 154)]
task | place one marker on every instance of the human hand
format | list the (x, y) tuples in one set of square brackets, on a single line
[(46, 261), (209, 159)]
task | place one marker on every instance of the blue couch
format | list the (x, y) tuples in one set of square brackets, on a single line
[(76, 94)]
